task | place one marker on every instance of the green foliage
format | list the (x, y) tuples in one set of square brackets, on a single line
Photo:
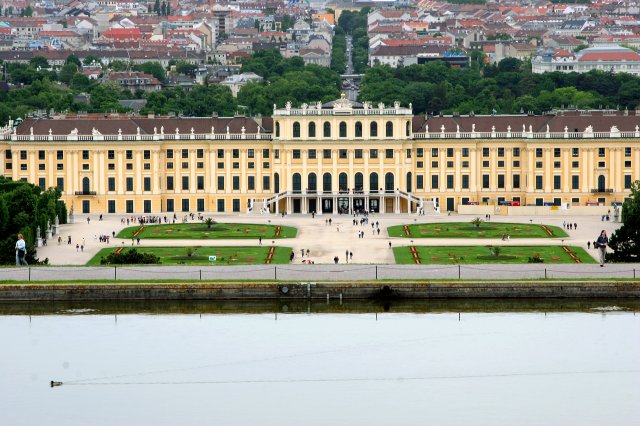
[(118, 65), (349, 20), (186, 68), (130, 257), (200, 101), (536, 258), (360, 50), (73, 59), (153, 68), (92, 60), (477, 222), (625, 241), (338, 52), (67, 72), (39, 62), (210, 222), (24, 207)]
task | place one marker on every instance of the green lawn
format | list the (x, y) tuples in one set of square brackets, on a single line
[(225, 255), (467, 230), (481, 254), (199, 231)]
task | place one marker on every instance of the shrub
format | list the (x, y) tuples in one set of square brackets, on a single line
[(130, 257), (536, 258)]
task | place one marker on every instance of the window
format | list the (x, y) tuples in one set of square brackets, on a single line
[(373, 153), (185, 164), (235, 165), (500, 152), (23, 155), (129, 184), (296, 154), (420, 164), (220, 183), (419, 152), (146, 154), (277, 134), (388, 153), (434, 152), (200, 183), (485, 181), (465, 152), (449, 164), (485, 152), (185, 204), (41, 155), (251, 165), (266, 183), (343, 129), (236, 204), (501, 164), (220, 165), (251, 183), (199, 165), (538, 152), (169, 154), (235, 153), (326, 154), (434, 164), (128, 206), (500, 181), (556, 152), (557, 179), (326, 129), (251, 153), (575, 164), (342, 153), (516, 152), (389, 129), (627, 181), (373, 129), (311, 154), (220, 153), (419, 182), (85, 155), (601, 152), (235, 183), (112, 166), (185, 153), (409, 152), (128, 154), (556, 164), (465, 164), (358, 129), (41, 166), (575, 152), (485, 163), (627, 163), (146, 166), (357, 154), (539, 182), (60, 183), (265, 165), (434, 182), (449, 181), (296, 129), (538, 164), (449, 152), (265, 153), (311, 130), (627, 151), (185, 183), (146, 182), (60, 155), (221, 204), (515, 181), (516, 163), (42, 183), (601, 164), (169, 183), (111, 184), (199, 153), (7, 154), (465, 181), (575, 182), (23, 167)]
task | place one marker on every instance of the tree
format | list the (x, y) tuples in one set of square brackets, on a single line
[(27, 11), (476, 222), (153, 68), (73, 59), (39, 62), (625, 241), (92, 60), (67, 72), (210, 222)]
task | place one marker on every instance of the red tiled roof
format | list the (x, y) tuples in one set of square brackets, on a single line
[(123, 33), (609, 56)]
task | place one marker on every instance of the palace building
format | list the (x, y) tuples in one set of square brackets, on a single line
[(336, 157)]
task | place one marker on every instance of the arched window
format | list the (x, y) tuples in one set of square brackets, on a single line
[(358, 182), (373, 182), (326, 182), (312, 130), (312, 182), (343, 185), (86, 184), (389, 129), (373, 129), (409, 182), (358, 129), (296, 129), (408, 129), (277, 129), (343, 129), (326, 129), (297, 182), (388, 182), (601, 183), (276, 182)]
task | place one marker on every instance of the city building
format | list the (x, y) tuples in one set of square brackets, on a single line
[(336, 157), (605, 58)]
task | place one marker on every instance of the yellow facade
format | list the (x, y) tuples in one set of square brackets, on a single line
[(335, 158)]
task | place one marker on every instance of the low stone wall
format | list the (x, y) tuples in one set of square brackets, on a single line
[(320, 290)]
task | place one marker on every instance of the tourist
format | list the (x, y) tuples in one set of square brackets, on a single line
[(69, 240), (82, 248), (21, 251), (389, 244), (59, 239), (335, 260), (601, 244), (138, 239), (575, 226), (302, 252), (77, 247), (351, 255), (588, 245), (378, 231), (259, 241), (308, 252), (291, 256)]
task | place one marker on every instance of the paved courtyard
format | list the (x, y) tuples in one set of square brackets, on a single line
[(323, 241)]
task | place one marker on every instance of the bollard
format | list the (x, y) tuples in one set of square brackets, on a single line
[(29, 273), (634, 273), (458, 271), (200, 274), (545, 273), (376, 272), (115, 272), (275, 273), (341, 298)]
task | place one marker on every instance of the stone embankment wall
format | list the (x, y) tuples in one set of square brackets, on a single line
[(320, 290)]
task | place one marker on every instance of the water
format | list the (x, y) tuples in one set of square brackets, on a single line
[(495, 363)]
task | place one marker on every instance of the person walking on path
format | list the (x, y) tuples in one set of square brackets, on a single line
[(259, 241), (601, 244), (21, 251)]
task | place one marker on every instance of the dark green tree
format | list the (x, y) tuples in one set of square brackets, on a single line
[(625, 241), (39, 62)]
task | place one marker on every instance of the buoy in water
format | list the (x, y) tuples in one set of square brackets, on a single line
[(54, 384)]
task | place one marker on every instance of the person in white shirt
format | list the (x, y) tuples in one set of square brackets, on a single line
[(21, 251)]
